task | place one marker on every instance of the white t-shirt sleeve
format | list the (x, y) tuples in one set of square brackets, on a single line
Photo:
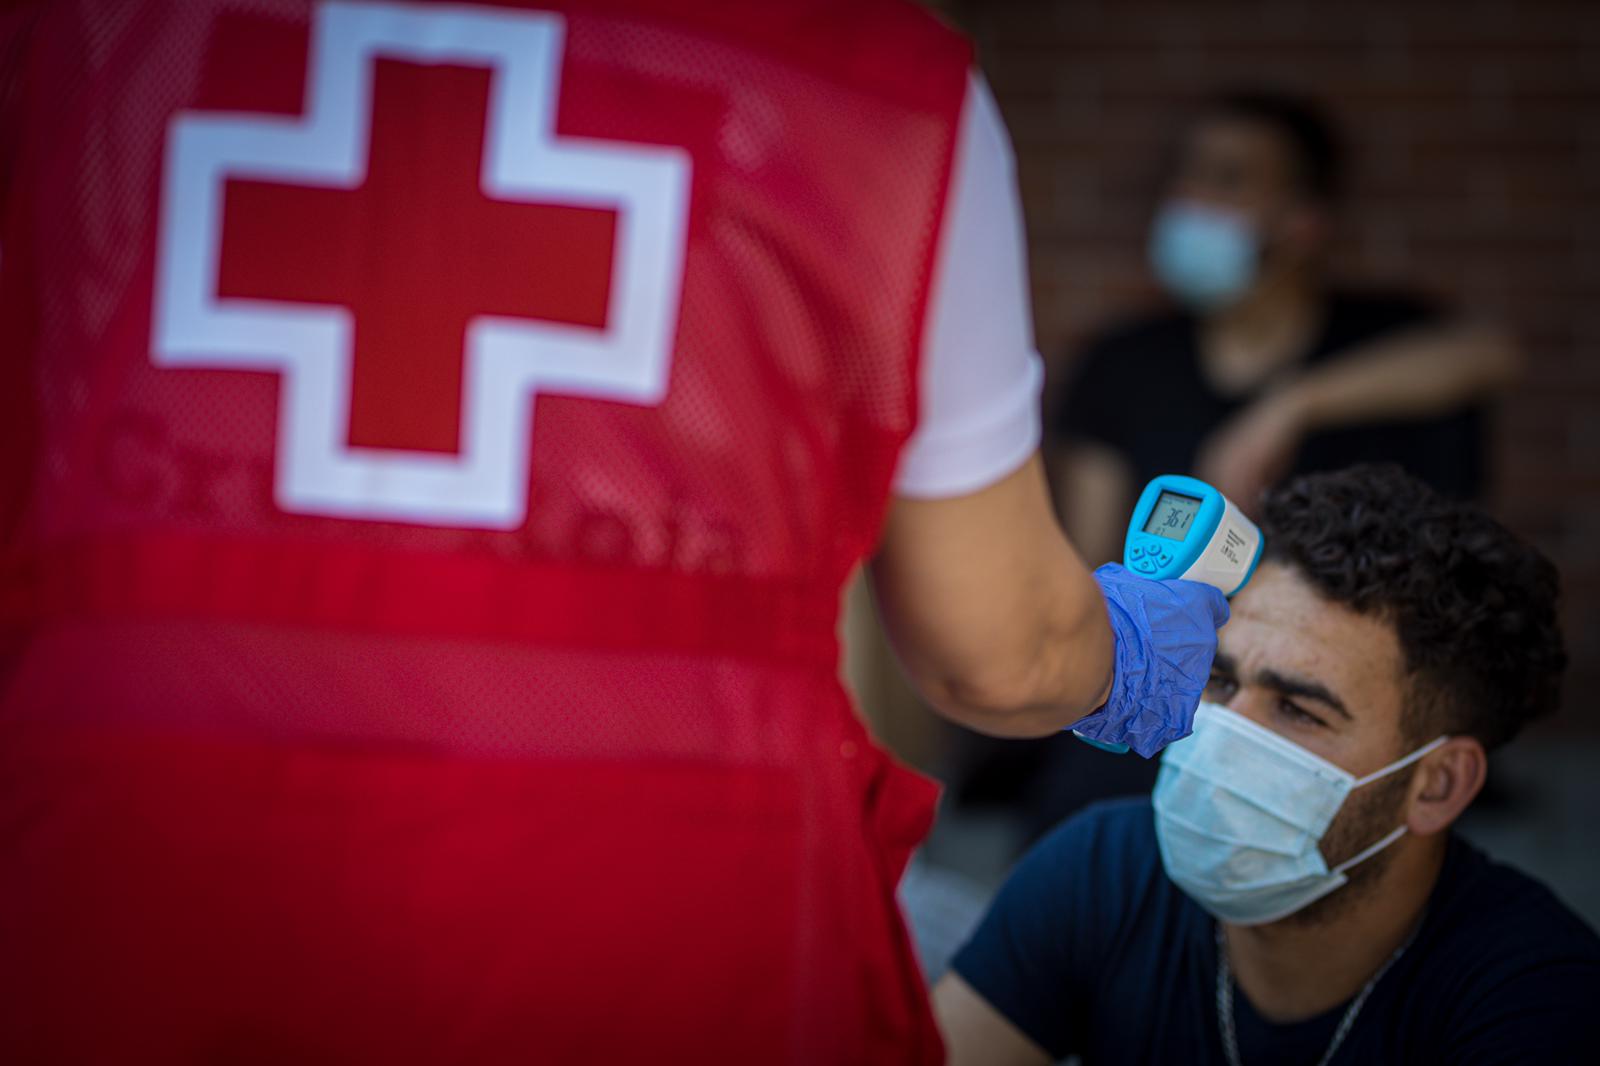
[(978, 417)]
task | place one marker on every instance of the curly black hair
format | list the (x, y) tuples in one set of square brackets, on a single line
[(1474, 608)]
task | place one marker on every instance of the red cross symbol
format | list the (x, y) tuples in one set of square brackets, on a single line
[(416, 253), (418, 256)]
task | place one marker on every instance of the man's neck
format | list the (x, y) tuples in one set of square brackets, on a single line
[(1271, 328), (1295, 969)]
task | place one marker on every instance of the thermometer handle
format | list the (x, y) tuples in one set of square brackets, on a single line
[(1223, 555)]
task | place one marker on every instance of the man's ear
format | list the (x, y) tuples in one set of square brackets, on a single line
[(1446, 781)]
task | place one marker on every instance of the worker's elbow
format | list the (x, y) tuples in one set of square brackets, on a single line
[(998, 702)]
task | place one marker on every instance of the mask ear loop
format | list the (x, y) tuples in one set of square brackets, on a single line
[(1361, 857), (1400, 764), (1399, 831)]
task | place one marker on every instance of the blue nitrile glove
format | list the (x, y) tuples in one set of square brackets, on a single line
[(1166, 633)]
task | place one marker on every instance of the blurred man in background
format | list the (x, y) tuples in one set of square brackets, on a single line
[(1266, 366), (435, 437), (1294, 893)]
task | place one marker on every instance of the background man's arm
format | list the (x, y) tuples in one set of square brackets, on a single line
[(975, 1034), (1419, 374)]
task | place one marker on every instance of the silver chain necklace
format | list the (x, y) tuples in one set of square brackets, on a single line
[(1230, 1039)]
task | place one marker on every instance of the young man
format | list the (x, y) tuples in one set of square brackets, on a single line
[(1293, 893)]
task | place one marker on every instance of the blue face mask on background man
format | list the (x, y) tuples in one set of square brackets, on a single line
[(1207, 257), (1240, 812)]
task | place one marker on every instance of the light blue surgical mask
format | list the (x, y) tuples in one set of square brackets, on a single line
[(1240, 811), (1207, 257)]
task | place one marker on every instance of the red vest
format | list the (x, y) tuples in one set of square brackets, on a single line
[(432, 443)]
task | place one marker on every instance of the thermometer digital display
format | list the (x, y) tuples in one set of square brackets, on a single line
[(1184, 529)]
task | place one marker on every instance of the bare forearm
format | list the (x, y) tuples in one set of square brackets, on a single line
[(1415, 376), (1037, 671), (992, 613)]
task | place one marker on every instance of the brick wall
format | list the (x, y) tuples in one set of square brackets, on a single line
[(1474, 130)]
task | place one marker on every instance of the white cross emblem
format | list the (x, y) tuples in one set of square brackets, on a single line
[(507, 360)]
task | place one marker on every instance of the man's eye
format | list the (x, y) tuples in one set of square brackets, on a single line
[(1221, 686), (1298, 713)]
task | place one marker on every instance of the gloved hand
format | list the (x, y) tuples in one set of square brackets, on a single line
[(1166, 634)]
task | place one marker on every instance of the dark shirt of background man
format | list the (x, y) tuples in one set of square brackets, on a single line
[(1139, 389)]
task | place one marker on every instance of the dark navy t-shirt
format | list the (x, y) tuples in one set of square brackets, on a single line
[(1089, 949)]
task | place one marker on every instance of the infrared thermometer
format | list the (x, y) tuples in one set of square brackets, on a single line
[(1184, 529)]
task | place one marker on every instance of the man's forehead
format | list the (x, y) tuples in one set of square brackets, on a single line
[(1281, 623), (1242, 140)]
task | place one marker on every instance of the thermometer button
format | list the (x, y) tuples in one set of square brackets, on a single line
[(1145, 566), (1136, 552), (1166, 560)]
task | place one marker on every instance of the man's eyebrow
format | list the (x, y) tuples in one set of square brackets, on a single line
[(1301, 686)]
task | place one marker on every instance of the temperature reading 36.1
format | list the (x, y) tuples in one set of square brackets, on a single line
[(1172, 515)]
